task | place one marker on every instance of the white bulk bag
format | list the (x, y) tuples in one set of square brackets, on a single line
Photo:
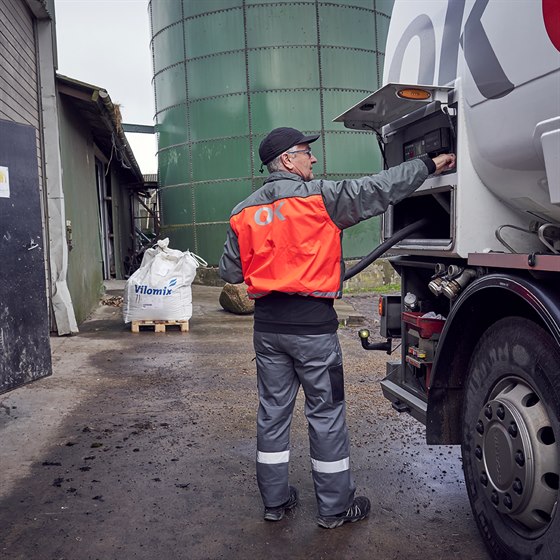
[(161, 288)]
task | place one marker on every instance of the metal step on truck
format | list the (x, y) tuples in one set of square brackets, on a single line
[(479, 310)]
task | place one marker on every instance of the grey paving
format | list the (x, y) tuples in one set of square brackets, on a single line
[(141, 446)]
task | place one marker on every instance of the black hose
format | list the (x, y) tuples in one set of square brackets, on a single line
[(385, 246)]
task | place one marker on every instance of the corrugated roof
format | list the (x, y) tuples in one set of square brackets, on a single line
[(95, 105)]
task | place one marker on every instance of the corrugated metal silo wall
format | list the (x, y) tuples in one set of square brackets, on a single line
[(226, 72)]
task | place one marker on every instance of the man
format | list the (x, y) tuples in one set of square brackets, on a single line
[(284, 241)]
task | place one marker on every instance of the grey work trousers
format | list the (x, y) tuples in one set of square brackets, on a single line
[(284, 362)]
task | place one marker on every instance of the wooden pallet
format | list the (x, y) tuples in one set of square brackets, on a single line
[(159, 326)]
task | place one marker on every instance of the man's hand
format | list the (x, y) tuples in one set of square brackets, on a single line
[(444, 162)]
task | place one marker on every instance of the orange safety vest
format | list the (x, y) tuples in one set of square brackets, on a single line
[(290, 245)]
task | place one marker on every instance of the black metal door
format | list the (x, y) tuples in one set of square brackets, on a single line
[(24, 318)]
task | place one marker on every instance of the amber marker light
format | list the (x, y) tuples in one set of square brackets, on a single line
[(380, 306), (415, 94)]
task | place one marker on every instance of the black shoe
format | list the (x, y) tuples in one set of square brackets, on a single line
[(357, 511), (277, 513)]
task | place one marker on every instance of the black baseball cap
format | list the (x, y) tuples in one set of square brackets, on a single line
[(281, 139)]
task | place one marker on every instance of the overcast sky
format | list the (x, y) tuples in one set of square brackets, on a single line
[(107, 43)]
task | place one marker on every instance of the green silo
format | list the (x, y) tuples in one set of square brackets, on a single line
[(226, 72)]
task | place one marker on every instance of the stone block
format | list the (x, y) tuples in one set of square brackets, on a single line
[(234, 299)]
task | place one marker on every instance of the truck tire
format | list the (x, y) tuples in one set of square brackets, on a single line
[(510, 440)]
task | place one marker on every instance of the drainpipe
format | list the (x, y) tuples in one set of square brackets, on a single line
[(61, 300)]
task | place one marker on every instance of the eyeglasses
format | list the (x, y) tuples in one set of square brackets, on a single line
[(308, 152)]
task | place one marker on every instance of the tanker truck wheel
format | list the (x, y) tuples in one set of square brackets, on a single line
[(511, 440)]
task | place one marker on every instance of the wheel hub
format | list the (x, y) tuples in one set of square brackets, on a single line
[(517, 454)]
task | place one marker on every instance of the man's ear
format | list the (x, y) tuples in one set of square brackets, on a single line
[(287, 162)]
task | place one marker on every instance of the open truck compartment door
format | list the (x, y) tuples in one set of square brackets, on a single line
[(411, 121), (390, 103)]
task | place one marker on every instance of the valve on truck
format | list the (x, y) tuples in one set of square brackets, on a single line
[(457, 279), (451, 282), (436, 283)]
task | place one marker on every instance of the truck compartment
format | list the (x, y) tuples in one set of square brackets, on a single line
[(438, 207)]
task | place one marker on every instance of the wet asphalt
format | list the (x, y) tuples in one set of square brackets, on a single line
[(142, 446)]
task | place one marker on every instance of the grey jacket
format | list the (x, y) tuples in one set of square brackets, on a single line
[(347, 202)]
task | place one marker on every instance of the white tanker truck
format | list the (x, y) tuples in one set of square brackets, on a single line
[(479, 310)]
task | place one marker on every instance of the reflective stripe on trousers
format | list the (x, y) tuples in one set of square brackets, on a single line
[(284, 362)]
